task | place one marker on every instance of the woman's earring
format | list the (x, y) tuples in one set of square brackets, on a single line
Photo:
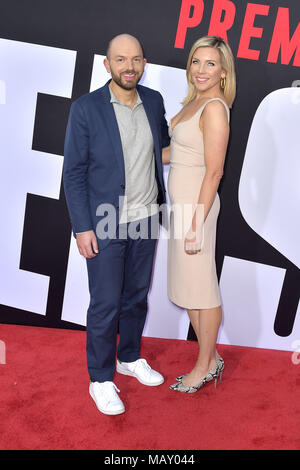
[(223, 82)]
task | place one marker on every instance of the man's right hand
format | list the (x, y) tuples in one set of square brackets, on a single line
[(87, 244)]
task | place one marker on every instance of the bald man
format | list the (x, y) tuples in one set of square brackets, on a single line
[(114, 187)]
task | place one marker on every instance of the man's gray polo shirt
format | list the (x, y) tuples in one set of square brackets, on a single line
[(139, 161)]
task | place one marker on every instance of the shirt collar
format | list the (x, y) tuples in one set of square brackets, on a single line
[(114, 99)]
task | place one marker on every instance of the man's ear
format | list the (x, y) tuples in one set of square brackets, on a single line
[(106, 64)]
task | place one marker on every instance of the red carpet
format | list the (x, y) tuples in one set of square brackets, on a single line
[(44, 400)]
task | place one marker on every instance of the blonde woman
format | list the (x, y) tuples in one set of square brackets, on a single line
[(199, 138)]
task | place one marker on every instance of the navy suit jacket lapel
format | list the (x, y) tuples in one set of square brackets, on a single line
[(154, 129), (151, 119), (112, 128)]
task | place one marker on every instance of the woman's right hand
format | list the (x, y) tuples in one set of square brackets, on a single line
[(194, 237), (192, 243)]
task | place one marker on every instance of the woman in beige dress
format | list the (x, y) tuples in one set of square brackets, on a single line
[(199, 137)]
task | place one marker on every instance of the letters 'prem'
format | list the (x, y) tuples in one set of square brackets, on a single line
[(283, 44)]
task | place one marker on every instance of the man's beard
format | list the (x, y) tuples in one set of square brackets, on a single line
[(128, 85)]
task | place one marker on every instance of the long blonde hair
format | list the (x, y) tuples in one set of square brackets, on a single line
[(227, 61)]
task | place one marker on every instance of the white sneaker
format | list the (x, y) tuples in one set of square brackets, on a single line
[(141, 370), (106, 399)]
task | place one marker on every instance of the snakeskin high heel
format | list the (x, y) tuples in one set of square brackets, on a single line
[(220, 362), (215, 373), (180, 387)]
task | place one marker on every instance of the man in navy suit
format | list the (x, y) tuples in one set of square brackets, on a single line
[(113, 179)]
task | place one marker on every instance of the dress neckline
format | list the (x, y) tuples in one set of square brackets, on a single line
[(187, 120)]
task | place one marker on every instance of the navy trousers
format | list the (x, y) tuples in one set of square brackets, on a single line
[(119, 280)]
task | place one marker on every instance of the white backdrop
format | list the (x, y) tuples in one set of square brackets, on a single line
[(269, 198)]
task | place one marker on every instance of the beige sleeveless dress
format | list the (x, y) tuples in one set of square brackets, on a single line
[(192, 279)]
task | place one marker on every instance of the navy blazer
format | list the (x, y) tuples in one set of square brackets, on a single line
[(93, 171)]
